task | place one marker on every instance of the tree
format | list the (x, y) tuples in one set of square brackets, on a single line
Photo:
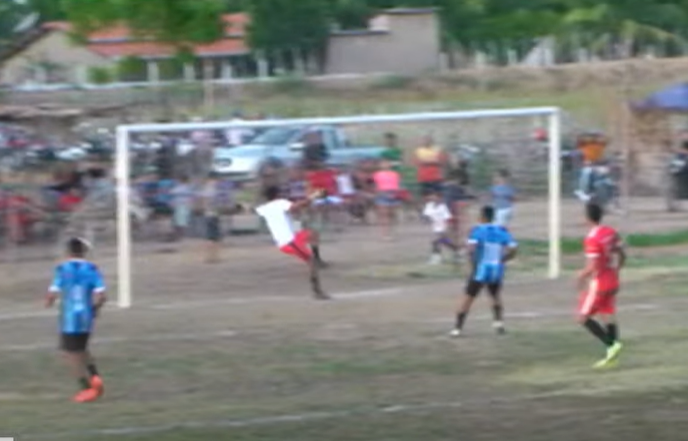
[(177, 22), (280, 28)]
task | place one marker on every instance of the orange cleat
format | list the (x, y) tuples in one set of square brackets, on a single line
[(98, 385), (86, 396)]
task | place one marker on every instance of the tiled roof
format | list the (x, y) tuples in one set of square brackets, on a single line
[(118, 41)]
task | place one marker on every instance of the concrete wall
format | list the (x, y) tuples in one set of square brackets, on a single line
[(397, 43), (69, 61)]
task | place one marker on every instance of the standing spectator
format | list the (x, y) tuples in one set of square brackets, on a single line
[(237, 136), (457, 197), (430, 161), (392, 152), (211, 216), (387, 186), (440, 217), (315, 153), (503, 197), (183, 196)]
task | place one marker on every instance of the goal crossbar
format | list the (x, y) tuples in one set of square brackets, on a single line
[(122, 168)]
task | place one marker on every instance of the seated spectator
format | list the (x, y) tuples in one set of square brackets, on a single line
[(69, 200)]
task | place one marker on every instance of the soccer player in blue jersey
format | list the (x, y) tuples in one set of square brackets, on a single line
[(490, 247), (79, 287)]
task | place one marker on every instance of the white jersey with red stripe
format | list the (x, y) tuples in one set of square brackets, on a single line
[(601, 245)]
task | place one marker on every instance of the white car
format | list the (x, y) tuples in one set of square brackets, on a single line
[(285, 145)]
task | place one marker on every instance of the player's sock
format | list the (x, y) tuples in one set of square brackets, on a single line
[(92, 370), (316, 252), (613, 332), (84, 383), (598, 331), (435, 247), (460, 319), (497, 312)]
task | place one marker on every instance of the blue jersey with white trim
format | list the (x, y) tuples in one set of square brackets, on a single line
[(491, 242), (75, 281)]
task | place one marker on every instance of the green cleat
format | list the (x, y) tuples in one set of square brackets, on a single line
[(611, 360)]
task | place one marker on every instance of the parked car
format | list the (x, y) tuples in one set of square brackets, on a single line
[(285, 145)]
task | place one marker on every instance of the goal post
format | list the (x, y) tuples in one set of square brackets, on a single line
[(123, 168)]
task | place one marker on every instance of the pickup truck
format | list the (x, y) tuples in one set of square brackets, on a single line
[(285, 145)]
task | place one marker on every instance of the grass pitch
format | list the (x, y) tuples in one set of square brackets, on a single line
[(363, 368)]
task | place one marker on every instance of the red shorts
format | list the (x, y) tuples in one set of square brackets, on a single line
[(404, 195), (597, 301), (300, 246)]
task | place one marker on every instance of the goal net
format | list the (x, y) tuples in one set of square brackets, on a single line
[(163, 179)]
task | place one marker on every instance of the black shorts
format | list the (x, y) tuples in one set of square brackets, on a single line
[(213, 230), (474, 287), (74, 342), (428, 188)]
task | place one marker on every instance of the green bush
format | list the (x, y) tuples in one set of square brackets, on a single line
[(132, 69), (100, 75)]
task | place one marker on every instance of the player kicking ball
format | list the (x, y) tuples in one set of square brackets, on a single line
[(78, 285), (490, 247), (598, 283), (277, 214)]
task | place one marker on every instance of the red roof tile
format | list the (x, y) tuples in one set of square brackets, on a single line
[(117, 41)]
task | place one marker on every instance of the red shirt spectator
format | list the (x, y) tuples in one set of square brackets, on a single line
[(68, 202), (430, 161), (325, 179)]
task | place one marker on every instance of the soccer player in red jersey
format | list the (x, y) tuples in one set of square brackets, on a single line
[(598, 283)]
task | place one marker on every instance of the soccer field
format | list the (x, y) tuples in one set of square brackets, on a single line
[(238, 351)]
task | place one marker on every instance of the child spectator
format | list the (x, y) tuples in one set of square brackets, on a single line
[(437, 212), (387, 187), (213, 228), (503, 196), (182, 205), (345, 185)]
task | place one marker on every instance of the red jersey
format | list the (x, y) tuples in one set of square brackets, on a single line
[(601, 245), (322, 180)]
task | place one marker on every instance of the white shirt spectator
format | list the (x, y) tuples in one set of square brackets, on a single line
[(276, 215), (439, 214), (235, 135), (345, 184)]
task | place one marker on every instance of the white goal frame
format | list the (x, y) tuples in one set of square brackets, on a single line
[(122, 169)]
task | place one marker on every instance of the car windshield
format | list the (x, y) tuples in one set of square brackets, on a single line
[(276, 136)]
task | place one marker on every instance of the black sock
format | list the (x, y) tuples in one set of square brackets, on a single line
[(316, 252), (435, 247), (92, 370), (598, 331), (497, 311), (84, 383), (613, 332), (460, 319)]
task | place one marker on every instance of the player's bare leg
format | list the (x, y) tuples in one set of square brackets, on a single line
[(464, 309), (315, 248), (314, 274), (497, 310), (314, 265)]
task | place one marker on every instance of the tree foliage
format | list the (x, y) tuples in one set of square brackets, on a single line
[(288, 25), (283, 25), (178, 22)]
